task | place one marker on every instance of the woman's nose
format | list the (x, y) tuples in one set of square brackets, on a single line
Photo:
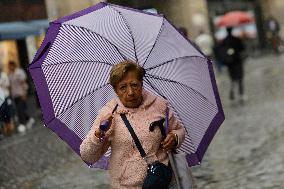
[(130, 91)]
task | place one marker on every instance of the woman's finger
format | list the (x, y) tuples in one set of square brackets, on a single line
[(165, 140), (169, 147), (168, 142), (169, 137)]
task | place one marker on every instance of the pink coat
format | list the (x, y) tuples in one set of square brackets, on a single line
[(127, 168)]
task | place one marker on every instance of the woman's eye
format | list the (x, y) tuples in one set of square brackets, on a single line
[(134, 85), (122, 88)]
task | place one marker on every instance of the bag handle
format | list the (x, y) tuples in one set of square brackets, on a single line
[(134, 136)]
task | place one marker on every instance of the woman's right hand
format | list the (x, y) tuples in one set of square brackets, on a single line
[(100, 133)]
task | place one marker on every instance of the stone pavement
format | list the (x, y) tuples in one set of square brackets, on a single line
[(246, 153)]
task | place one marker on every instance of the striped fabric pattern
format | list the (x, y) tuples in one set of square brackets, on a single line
[(196, 75), (170, 45), (77, 67), (109, 24), (144, 33)]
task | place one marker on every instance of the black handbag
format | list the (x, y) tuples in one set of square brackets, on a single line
[(159, 175)]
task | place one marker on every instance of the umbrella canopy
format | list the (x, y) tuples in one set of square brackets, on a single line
[(71, 73), (235, 18)]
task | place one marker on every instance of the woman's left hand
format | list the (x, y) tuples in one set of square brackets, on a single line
[(169, 143)]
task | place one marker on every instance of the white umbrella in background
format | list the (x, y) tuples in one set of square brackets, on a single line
[(2, 97)]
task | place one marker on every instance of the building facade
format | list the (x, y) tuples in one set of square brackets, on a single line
[(57, 9), (22, 25)]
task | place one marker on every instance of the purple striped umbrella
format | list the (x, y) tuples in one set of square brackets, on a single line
[(71, 73)]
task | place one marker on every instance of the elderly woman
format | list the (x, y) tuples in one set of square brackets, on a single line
[(127, 168)]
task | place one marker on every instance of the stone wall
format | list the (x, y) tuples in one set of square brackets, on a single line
[(57, 9), (274, 8), (191, 14)]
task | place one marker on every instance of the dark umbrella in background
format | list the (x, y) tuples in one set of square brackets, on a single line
[(71, 73)]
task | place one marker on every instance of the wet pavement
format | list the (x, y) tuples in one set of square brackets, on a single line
[(246, 153)]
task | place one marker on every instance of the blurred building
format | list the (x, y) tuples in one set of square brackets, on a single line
[(191, 14), (201, 15), (261, 11), (57, 9), (22, 27), (274, 8), (23, 22)]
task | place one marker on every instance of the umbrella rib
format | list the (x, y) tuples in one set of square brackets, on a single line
[(172, 81), (77, 101), (155, 42), (163, 63), (77, 61), (130, 32), (100, 36), (157, 90)]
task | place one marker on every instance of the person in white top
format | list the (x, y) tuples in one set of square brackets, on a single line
[(205, 43), (19, 92), (5, 104), (2, 96), (4, 82), (17, 77)]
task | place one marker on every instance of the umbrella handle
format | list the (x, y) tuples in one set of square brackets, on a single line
[(170, 155), (104, 125)]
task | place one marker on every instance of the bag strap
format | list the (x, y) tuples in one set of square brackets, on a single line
[(134, 136)]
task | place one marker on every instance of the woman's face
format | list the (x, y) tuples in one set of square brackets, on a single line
[(129, 90)]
